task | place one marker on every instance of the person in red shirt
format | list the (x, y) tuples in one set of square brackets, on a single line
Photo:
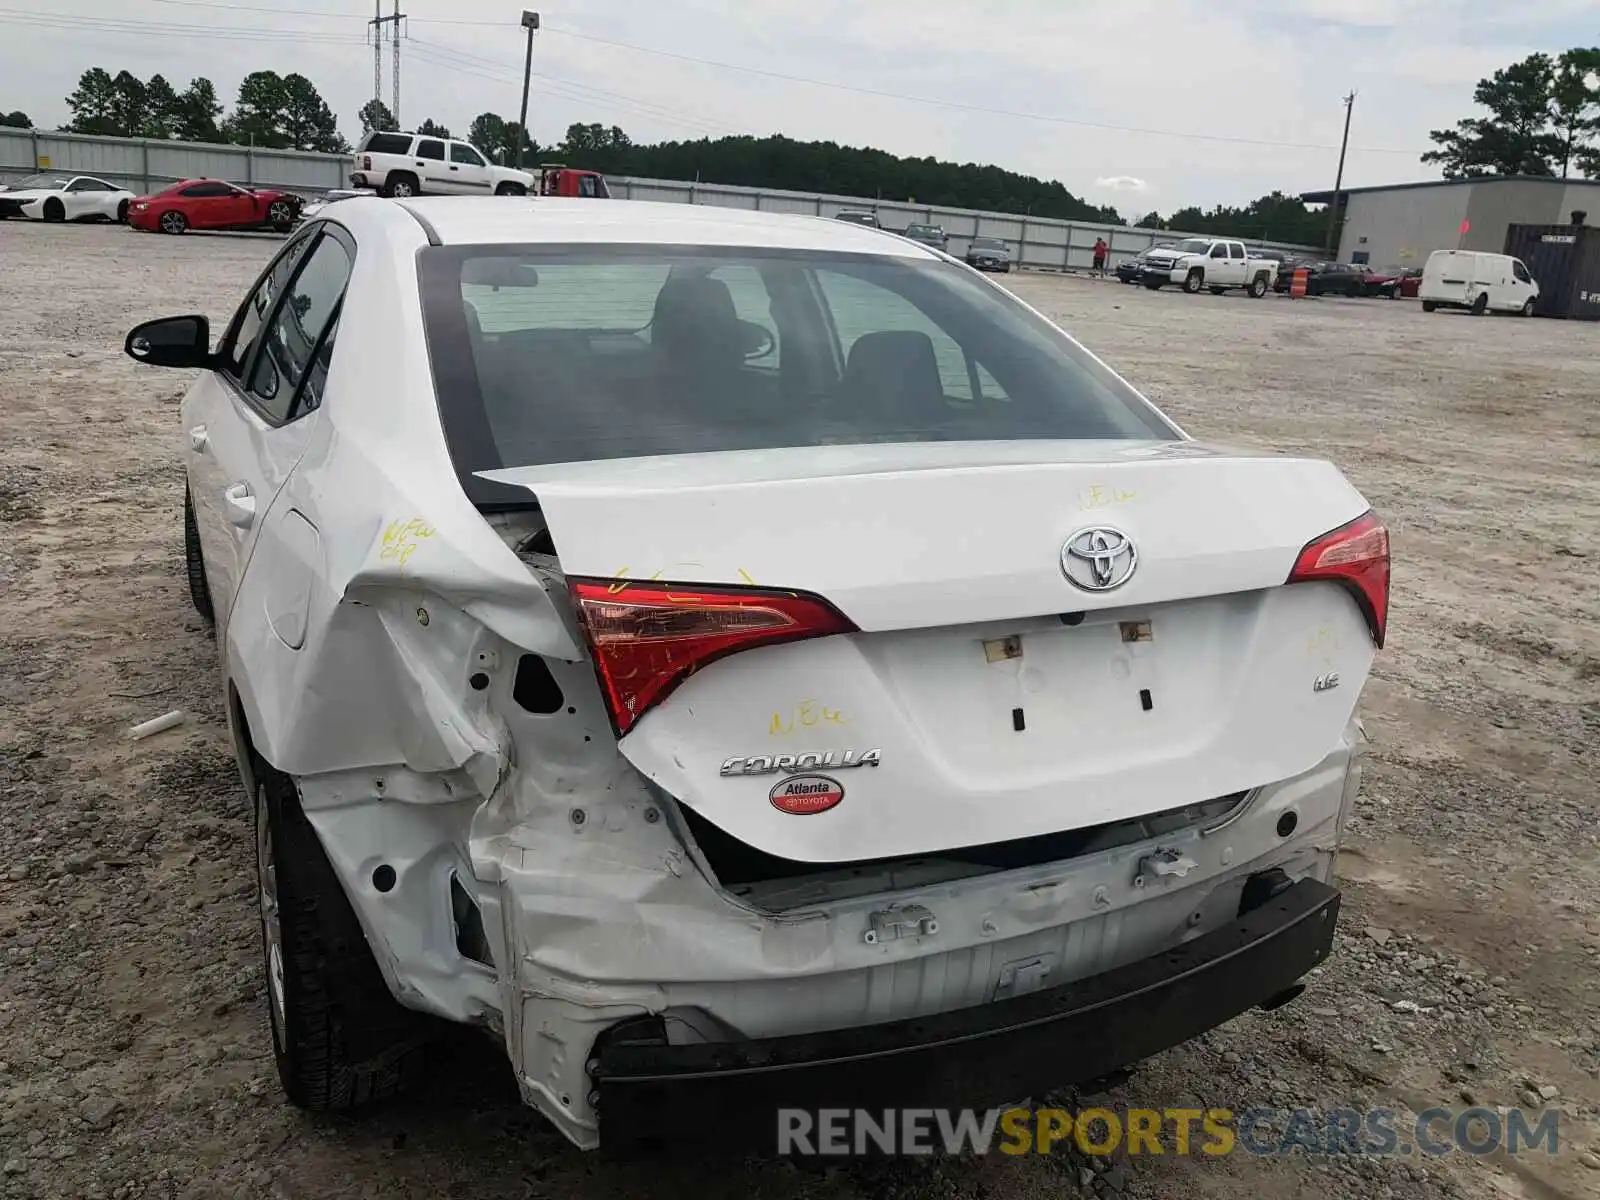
[(1101, 252)]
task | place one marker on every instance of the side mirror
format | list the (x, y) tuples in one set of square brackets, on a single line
[(171, 342), (757, 339)]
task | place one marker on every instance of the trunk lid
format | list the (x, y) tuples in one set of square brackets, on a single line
[(1004, 701)]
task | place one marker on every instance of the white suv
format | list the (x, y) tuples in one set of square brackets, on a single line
[(405, 164)]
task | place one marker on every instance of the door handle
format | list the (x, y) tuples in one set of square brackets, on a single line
[(241, 504), (199, 439), (455, 168)]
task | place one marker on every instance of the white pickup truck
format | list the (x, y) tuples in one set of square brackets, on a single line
[(1214, 263)]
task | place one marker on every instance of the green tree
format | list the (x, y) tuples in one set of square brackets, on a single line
[(198, 113), (258, 112), (432, 128), (1516, 138), (162, 113), (375, 114), (130, 104), (306, 121), (1151, 220), (497, 138), (16, 120), (93, 104), (1575, 107)]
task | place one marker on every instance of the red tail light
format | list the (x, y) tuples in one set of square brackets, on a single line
[(1357, 556), (649, 637)]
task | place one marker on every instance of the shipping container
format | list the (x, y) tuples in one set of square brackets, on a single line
[(1565, 261)]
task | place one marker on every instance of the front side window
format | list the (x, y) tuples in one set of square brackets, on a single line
[(89, 185), (1520, 271), (428, 148), (1220, 250), (460, 152), (290, 343), (207, 189), (253, 312), (566, 354)]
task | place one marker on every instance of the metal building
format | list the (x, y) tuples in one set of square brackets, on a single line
[(1400, 225)]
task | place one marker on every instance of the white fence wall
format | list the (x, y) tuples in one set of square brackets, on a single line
[(144, 165)]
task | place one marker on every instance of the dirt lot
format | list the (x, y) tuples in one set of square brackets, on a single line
[(134, 1050)]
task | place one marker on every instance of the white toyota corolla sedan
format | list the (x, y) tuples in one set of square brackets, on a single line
[(747, 663)]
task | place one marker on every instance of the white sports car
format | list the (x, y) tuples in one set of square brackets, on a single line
[(750, 665), (58, 197)]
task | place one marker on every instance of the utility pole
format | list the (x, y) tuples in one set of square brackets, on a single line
[(530, 22), (378, 22), (1338, 179)]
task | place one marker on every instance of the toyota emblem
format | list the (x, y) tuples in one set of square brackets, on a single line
[(1099, 559)]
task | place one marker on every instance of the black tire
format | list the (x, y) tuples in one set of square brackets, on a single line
[(339, 1038), (1194, 281), (401, 184), (1216, 291), (1480, 305), (1391, 293), (194, 563), (1428, 306), (1258, 287), (173, 222), (1527, 307), (280, 216), (54, 210), (1153, 284), (122, 213), (511, 189)]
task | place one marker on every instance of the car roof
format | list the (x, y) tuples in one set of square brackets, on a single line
[(499, 220)]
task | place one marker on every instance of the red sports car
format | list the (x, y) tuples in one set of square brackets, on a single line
[(213, 204)]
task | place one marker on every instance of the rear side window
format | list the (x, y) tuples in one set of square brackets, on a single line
[(428, 148), (555, 354), (290, 342), (386, 143)]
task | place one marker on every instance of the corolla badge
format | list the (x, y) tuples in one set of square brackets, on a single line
[(1099, 559), (771, 764)]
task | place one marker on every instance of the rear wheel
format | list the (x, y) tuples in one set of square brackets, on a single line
[(1428, 306), (1258, 287), (1194, 281), (511, 189), (194, 563), (339, 1037), (54, 210), (399, 185), (1480, 305), (173, 222)]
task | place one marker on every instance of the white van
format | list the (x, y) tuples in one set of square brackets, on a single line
[(1477, 282)]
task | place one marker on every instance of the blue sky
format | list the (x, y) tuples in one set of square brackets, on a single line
[(1179, 77)]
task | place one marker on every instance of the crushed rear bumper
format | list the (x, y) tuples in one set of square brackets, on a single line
[(724, 1095)]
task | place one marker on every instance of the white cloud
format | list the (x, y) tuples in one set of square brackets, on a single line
[(1122, 183)]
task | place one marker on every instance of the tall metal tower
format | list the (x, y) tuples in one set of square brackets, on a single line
[(378, 22)]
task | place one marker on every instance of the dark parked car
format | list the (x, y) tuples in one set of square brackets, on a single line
[(989, 254), (1324, 278), (858, 217), (929, 235), (1380, 283)]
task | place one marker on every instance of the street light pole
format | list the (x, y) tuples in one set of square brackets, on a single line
[(1338, 179), (530, 22)]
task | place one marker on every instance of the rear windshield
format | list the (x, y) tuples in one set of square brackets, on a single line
[(565, 354), (386, 143), (988, 244)]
